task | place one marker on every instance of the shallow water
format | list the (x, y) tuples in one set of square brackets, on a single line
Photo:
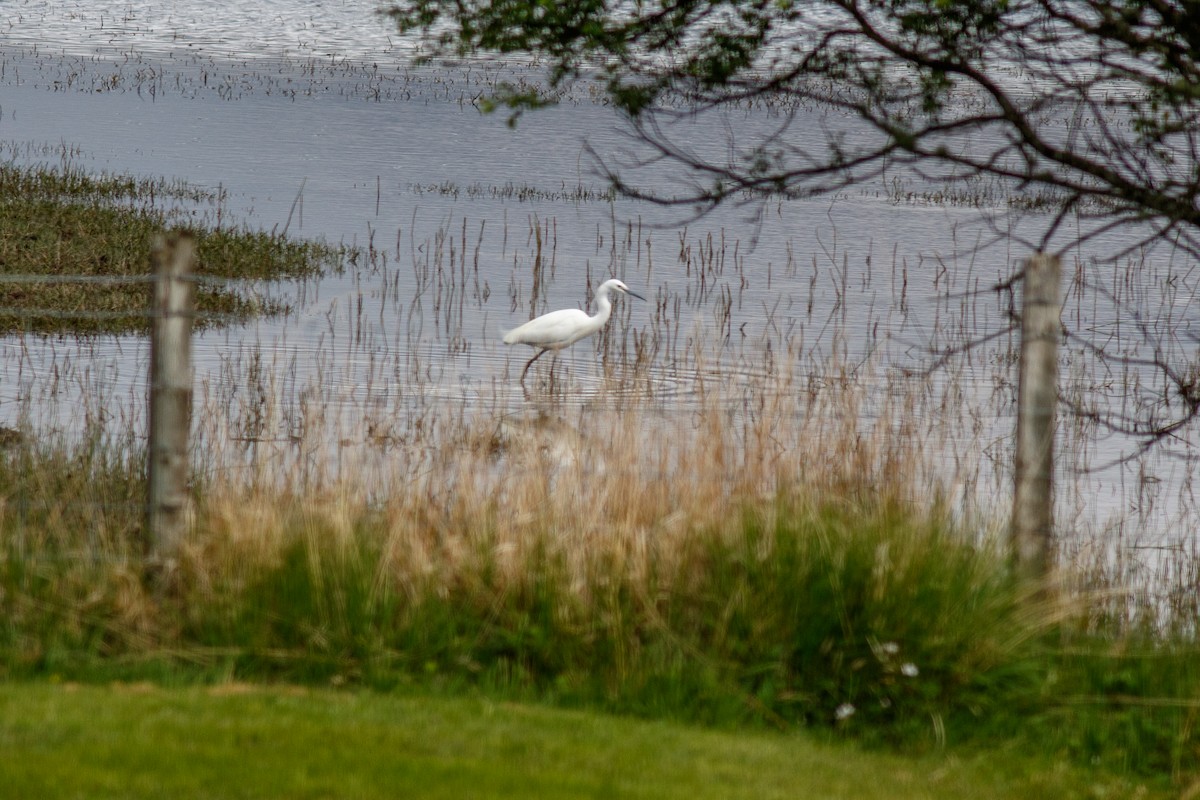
[(312, 120)]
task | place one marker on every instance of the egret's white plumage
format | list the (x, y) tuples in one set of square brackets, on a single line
[(559, 329)]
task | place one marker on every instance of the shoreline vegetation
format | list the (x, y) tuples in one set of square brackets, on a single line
[(74, 252), (806, 586), (734, 571)]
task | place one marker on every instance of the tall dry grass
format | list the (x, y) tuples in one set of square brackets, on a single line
[(623, 484)]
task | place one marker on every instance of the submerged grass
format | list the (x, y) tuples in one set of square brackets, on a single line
[(62, 232)]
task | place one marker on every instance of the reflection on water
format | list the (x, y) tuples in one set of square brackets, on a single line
[(309, 118)]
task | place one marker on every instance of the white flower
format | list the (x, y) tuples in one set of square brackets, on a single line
[(909, 670), (891, 648), (844, 711)]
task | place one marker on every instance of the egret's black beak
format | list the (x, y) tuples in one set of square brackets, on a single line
[(635, 294)]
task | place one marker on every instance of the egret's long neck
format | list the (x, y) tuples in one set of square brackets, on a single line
[(596, 321), (603, 309)]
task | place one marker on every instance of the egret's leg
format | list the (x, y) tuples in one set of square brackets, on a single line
[(530, 364)]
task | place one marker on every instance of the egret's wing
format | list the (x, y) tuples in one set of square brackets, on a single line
[(556, 329)]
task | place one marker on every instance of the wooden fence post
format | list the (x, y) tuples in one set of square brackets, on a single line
[(170, 396), (1037, 397)]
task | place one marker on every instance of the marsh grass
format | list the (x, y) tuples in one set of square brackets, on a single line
[(74, 251)]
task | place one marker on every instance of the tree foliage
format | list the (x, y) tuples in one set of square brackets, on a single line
[(1095, 102)]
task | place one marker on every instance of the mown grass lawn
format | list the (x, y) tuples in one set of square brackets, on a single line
[(242, 741)]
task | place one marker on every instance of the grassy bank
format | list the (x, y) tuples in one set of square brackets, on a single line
[(836, 608), (240, 741), (74, 246)]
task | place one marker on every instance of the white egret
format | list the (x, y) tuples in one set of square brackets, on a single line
[(563, 328)]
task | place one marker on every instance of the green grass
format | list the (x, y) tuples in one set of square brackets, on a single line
[(58, 221), (236, 741)]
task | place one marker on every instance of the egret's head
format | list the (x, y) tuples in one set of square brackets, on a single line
[(619, 286)]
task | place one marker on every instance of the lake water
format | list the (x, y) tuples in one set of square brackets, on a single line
[(311, 118)]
